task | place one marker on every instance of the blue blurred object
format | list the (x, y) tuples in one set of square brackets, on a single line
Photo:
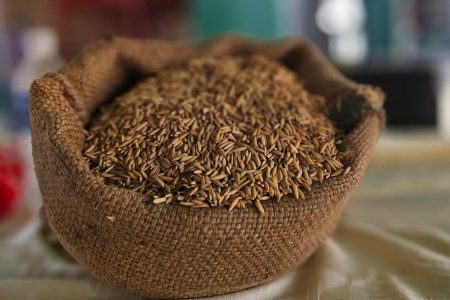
[(4, 82), (267, 19), (378, 26)]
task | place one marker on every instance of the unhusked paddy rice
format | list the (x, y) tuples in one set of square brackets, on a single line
[(211, 132)]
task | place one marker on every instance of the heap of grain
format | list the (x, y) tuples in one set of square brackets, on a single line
[(210, 132)]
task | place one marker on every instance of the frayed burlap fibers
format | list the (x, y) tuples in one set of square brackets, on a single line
[(169, 251)]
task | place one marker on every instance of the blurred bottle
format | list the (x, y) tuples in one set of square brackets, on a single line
[(4, 73), (40, 55)]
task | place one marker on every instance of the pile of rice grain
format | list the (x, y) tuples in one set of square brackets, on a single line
[(211, 132)]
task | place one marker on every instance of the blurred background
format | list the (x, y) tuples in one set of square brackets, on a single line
[(403, 46)]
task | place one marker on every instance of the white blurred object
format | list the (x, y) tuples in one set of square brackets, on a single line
[(40, 44), (443, 103), (40, 55), (343, 21)]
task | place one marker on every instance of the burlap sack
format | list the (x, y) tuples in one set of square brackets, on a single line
[(169, 251)]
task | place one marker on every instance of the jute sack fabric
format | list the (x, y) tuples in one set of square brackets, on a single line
[(169, 251)]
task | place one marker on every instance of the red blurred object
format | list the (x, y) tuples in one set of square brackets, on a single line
[(127, 17), (81, 22), (11, 179)]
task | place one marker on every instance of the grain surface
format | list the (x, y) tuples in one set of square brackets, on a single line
[(211, 132)]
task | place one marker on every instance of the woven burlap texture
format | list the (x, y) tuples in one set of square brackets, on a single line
[(169, 251)]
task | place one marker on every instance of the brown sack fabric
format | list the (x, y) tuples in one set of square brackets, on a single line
[(169, 251)]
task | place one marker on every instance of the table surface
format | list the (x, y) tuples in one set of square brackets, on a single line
[(393, 241)]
